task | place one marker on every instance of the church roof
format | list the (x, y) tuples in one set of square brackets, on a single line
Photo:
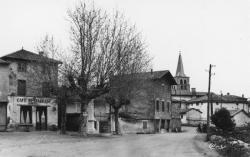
[(180, 68)]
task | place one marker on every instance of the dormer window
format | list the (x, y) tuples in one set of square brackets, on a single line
[(22, 67)]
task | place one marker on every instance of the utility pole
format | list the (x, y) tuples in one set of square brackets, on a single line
[(209, 101)]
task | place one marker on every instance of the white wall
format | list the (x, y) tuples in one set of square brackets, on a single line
[(229, 106), (241, 119)]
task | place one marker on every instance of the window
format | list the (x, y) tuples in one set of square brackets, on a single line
[(168, 106), (26, 115), (11, 80), (21, 87), (46, 89), (157, 105), (22, 67), (185, 82), (144, 124), (163, 106), (95, 125)]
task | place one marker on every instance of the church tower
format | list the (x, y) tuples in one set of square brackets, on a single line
[(183, 86)]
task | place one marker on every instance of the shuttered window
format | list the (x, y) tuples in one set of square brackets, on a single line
[(46, 89), (21, 87), (157, 105), (163, 106)]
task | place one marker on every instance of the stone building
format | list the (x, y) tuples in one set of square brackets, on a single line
[(4, 86), (31, 82), (230, 102), (150, 108)]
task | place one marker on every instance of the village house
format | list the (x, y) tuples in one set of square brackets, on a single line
[(230, 102), (191, 116), (28, 89), (4, 86), (150, 109)]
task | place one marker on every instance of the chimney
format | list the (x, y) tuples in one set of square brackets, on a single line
[(151, 71), (228, 93), (41, 53), (193, 91), (243, 96)]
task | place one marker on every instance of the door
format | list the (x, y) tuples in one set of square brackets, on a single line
[(104, 127), (41, 118), (3, 116)]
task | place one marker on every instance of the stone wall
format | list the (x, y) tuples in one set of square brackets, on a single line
[(4, 82)]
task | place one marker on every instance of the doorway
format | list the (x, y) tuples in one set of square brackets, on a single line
[(3, 116), (41, 118)]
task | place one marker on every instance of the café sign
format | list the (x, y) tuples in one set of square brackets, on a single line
[(33, 101)]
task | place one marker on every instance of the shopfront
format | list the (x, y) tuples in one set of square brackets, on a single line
[(35, 113)]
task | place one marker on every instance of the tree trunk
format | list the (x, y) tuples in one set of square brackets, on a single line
[(62, 99), (63, 117), (83, 118), (116, 110)]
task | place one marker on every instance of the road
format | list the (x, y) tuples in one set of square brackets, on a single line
[(51, 144)]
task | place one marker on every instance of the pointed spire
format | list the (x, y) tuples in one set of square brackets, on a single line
[(180, 69)]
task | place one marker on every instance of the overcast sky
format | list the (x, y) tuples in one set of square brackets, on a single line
[(205, 31)]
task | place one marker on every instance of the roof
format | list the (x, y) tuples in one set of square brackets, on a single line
[(187, 110), (154, 75), (3, 62), (28, 56), (235, 112), (219, 98), (180, 68)]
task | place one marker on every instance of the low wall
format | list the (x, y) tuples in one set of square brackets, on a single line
[(136, 126)]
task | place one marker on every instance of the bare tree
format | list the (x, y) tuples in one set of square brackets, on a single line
[(103, 46)]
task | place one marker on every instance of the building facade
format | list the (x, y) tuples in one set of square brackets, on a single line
[(230, 102), (32, 83), (150, 108)]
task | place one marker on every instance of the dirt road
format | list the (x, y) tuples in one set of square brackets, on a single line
[(50, 144)]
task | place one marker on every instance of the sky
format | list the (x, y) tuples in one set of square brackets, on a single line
[(205, 31)]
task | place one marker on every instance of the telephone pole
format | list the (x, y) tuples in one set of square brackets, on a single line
[(208, 101)]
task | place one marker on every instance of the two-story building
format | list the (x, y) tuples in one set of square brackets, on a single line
[(29, 86), (150, 108), (4, 86), (230, 102)]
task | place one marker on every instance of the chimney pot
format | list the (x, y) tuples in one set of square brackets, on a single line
[(151, 71), (41, 53), (243, 96), (228, 93)]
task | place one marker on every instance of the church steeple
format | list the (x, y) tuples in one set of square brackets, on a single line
[(180, 69)]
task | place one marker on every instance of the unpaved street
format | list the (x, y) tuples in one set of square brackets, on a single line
[(50, 144)]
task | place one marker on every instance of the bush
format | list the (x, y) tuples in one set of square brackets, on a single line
[(229, 147), (222, 120)]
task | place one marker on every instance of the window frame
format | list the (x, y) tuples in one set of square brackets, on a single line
[(22, 67)]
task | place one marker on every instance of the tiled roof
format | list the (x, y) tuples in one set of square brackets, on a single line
[(219, 98), (235, 112), (154, 75), (29, 56), (3, 62), (187, 110)]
